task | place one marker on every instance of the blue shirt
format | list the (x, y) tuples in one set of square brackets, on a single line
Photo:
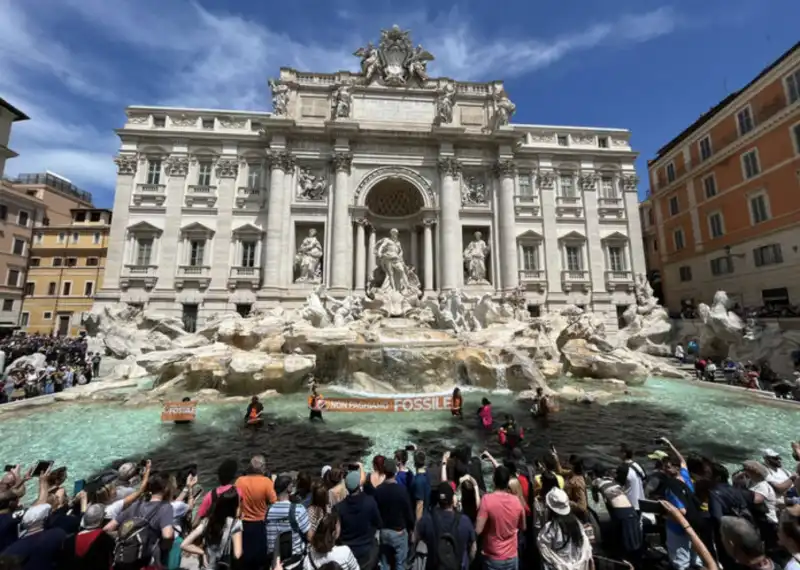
[(421, 490), (43, 550), (360, 519), (428, 530), (676, 501)]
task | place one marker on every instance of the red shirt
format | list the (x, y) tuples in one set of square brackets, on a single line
[(504, 518)]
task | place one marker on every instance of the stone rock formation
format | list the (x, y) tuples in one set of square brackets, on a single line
[(647, 324)]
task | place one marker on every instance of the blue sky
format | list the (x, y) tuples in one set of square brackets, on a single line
[(652, 67)]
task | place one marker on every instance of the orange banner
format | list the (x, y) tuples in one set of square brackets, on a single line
[(179, 412), (399, 404)]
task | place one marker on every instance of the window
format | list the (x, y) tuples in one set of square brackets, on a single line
[(602, 142), (674, 206), (768, 255), (144, 251), (248, 254), (525, 186), (92, 262), (45, 221), (574, 258), (244, 309), (775, 298), (22, 218), (25, 319), (721, 266), (650, 217), (30, 289), (655, 245), (616, 258), (204, 174), (3, 212), (254, 175), (47, 315), (715, 225), (671, 172), (159, 122), (8, 304), (750, 164), (677, 237), (607, 188), (153, 171), (66, 288), (744, 121), (567, 186), (12, 280), (563, 140), (80, 216), (75, 237), (796, 137), (710, 185), (58, 262), (530, 258), (62, 237), (38, 238), (19, 246), (51, 288), (72, 262), (96, 238), (88, 289), (793, 86), (685, 273), (94, 217), (705, 147), (759, 212), (197, 250), (208, 124)]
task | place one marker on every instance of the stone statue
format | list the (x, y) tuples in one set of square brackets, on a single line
[(417, 63), (504, 108), (308, 258), (311, 187), (280, 97), (444, 104), (342, 100), (389, 258), (395, 60), (370, 61), (473, 191), (475, 260)]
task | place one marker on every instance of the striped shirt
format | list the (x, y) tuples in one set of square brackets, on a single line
[(278, 523)]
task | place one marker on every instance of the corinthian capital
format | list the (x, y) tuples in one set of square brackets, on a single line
[(504, 168), (280, 160), (177, 166), (546, 179), (588, 181), (126, 164), (342, 161), (449, 166), (629, 182), (227, 168)]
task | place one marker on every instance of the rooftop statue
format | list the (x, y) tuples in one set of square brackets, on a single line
[(395, 61)]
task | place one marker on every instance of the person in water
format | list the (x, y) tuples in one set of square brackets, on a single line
[(255, 409), (456, 404), (485, 413), (315, 403), (509, 435), (183, 422), (541, 404)]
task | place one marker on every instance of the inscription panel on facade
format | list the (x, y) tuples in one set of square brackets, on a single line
[(472, 116), (314, 107), (380, 109)]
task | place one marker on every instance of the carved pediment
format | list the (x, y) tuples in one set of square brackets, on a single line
[(248, 230), (144, 228), (574, 235), (197, 228), (530, 235), (616, 236)]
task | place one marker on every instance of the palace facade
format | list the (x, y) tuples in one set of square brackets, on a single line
[(233, 211)]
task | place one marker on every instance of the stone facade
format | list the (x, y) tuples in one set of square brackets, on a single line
[(211, 207)]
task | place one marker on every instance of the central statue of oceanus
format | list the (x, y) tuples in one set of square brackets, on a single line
[(394, 286)]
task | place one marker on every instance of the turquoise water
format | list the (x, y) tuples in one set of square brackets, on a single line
[(85, 437)]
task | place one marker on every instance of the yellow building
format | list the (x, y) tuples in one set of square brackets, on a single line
[(66, 269)]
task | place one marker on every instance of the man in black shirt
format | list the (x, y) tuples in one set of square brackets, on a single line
[(360, 520), (394, 506)]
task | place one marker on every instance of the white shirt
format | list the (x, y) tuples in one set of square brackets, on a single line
[(777, 476), (678, 351), (765, 490), (634, 489), (114, 509), (342, 555)]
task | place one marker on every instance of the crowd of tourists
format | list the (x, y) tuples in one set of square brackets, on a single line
[(408, 510), (66, 362)]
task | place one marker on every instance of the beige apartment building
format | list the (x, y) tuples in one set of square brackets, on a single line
[(8, 116)]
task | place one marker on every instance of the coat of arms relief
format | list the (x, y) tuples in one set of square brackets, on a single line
[(395, 61)]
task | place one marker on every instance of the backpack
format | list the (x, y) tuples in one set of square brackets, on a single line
[(136, 539), (284, 543), (448, 551)]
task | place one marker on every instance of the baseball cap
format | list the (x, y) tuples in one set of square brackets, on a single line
[(353, 481), (769, 452), (93, 517), (658, 455), (282, 484), (445, 493), (324, 471), (389, 467)]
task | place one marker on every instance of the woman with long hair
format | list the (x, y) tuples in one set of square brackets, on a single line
[(563, 544), (323, 549), (220, 531), (320, 504), (376, 476)]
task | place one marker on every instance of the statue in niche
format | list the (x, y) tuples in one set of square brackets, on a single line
[(475, 260), (473, 191), (445, 101), (312, 187), (280, 97), (308, 259), (389, 260), (342, 100), (504, 108)]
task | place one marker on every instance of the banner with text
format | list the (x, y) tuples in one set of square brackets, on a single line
[(179, 412), (431, 403)]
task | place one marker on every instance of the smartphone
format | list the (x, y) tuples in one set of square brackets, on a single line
[(10, 468), (197, 491), (80, 484), (41, 467), (652, 507)]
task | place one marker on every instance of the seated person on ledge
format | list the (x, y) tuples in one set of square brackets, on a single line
[(253, 415)]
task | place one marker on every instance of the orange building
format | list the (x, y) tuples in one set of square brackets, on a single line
[(724, 207)]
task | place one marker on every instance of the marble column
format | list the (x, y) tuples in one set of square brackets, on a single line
[(220, 262), (176, 168), (371, 252), (119, 235), (361, 255), (342, 255), (414, 249), (508, 225), (427, 238), (280, 162), (449, 225)]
